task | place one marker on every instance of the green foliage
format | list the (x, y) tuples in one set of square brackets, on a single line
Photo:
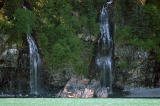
[(66, 51), (87, 15), (150, 25), (23, 21), (145, 21), (123, 33), (5, 24), (138, 26), (93, 26), (10, 6), (123, 64), (57, 24)]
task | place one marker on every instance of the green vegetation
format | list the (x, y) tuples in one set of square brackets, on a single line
[(23, 21), (123, 64), (138, 25), (56, 24)]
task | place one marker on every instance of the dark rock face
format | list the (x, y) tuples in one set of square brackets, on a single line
[(60, 78), (133, 68), (83, 89), (9, 58), (23, 72), (14, 73), (53, 82)]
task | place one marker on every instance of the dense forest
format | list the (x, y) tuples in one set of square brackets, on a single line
[(56, 24), (138, 24), (66, 31)]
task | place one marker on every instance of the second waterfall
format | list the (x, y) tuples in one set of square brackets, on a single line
[(105, 49)]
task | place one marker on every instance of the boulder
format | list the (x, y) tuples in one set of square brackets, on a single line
[(88, 93), (85, 81), (102, 92), (84, 88)]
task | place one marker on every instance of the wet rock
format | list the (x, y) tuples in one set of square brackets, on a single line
[(84, 88), (60, 77), (85, 81), (88, 93), (9, 58), (133, 67), (102, 92), (13, 77), (86, 37)]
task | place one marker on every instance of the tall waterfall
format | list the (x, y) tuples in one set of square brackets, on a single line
[(35, 64), (105, 47)]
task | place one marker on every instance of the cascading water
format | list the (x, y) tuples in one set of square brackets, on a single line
[(35, 64), (105, 47)]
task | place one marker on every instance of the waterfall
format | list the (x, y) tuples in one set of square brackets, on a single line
[(105, 48), (35, 64)]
